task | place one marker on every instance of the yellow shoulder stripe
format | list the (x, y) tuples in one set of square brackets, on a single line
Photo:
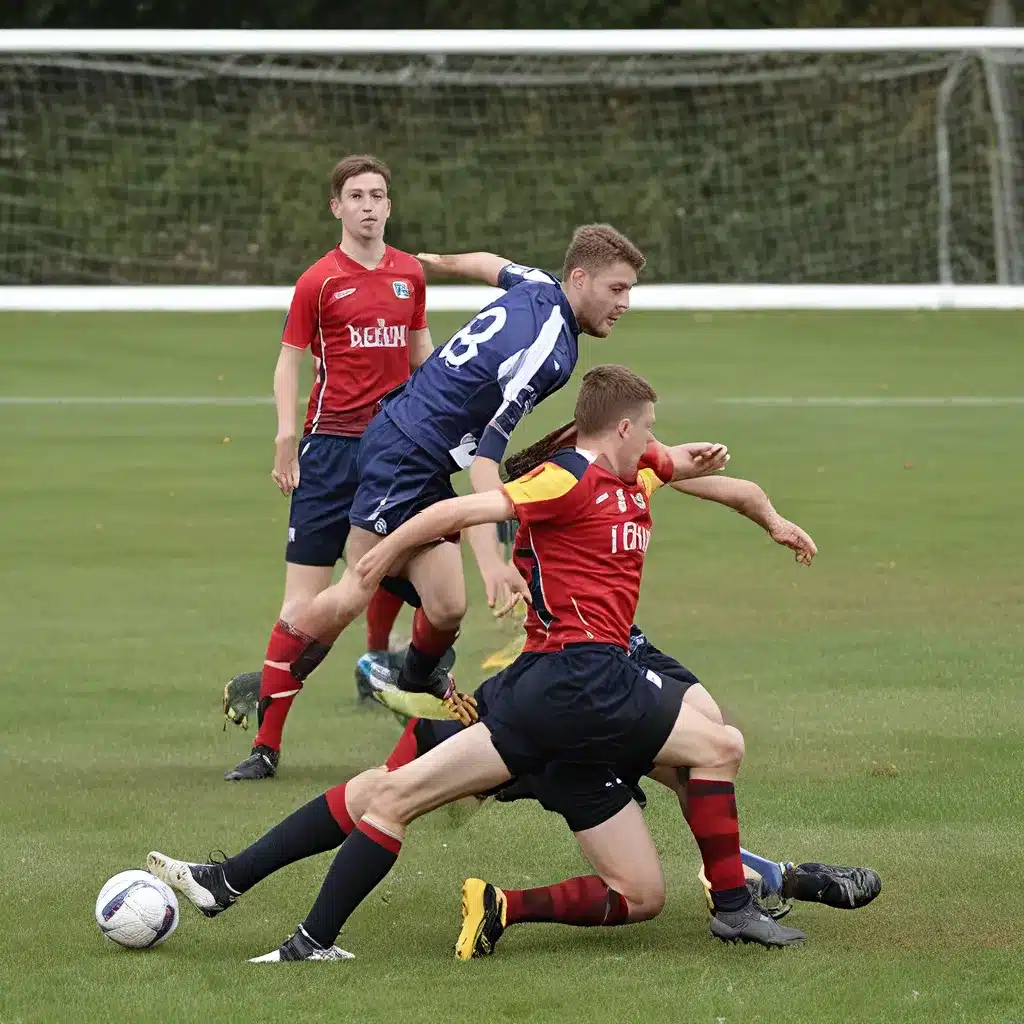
[(545, 483), (649, 481)]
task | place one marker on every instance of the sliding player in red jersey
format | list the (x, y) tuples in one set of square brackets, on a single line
[(360, 311), (574, 695)]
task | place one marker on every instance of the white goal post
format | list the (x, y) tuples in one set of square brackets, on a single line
[(761, 169)]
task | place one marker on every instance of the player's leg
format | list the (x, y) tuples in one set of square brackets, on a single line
[(320, 825), (318, 528), (713, 753), (464, 765), (381, 614), (608, 824), (436, 573)]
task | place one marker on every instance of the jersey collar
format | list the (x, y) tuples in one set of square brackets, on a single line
[(590, 456)]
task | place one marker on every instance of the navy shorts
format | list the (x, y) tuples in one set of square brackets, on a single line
[(588, 703), (397, 478), (318, 522)]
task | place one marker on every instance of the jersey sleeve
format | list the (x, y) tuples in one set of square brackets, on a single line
[(525, 378), (419, 312), (656, 467), (303, 320), (547, 494), (512, 274)]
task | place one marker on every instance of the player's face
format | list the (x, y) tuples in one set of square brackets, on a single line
[(601, 297), (634, 435), (363, 207)]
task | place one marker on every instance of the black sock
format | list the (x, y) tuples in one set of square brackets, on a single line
[(416, 670), (309, 830), (729, 901), (364, 859)]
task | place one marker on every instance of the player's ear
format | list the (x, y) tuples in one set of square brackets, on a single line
[(578, 277), (335, 205)]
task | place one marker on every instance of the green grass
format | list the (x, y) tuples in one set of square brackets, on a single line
[(879, 691)]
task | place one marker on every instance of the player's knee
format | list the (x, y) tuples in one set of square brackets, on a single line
[(445, 610), (393, 799), (731, 746), (646, 900)]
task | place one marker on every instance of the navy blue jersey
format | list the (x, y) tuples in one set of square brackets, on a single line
[(469, 394)]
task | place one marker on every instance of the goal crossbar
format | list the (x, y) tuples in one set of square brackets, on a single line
[(508, 41)]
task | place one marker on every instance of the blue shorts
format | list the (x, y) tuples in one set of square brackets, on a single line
[(397, 479), (586, 704), (318, 522)]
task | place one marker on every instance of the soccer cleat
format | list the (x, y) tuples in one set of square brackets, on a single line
[(380, 663), (843, 888), (483, 919), (203, 885), (751, 924), (261, 763), (241, 699), (301, 947)]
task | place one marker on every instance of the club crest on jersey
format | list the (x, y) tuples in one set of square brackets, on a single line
[(401, 289), (638, 500)]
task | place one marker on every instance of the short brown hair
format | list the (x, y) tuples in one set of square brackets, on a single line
[(608, 394), (596, 246), (352, 166)]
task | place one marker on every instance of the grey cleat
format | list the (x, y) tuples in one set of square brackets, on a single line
[(752, 925)]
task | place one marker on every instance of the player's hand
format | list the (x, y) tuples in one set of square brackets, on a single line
[(374, 565), (505, 588), (699, 458), (789, 535), (286, 465), (433, 262)]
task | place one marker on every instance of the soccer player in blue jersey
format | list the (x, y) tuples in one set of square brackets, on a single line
[(456, 412)]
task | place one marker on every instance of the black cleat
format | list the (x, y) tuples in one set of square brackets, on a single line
[(203, 885), (752, 925), (261, 763), (301, 947), (843, 888)]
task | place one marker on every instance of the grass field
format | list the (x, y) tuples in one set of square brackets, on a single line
[(879, 691)]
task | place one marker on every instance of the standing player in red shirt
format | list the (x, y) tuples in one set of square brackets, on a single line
[(360, 311)]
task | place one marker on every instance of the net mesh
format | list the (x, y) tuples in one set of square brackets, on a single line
[(766, 168)]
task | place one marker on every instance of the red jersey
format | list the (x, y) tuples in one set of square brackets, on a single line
[(582, 536), (356, 322)]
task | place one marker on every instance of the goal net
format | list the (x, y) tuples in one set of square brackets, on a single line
[(729, 168)]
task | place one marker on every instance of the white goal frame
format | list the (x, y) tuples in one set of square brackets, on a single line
[(987, 43)]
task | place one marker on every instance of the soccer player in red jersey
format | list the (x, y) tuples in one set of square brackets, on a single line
[(360, 310), (573, 695)]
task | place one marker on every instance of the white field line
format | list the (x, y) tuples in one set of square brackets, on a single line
[(765, 401)]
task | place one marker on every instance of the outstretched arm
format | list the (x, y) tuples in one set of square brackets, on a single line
[(747, 498), (477, 266), (437, 521)]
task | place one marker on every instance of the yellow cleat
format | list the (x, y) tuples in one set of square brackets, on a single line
[(483, 919), (414, 705)]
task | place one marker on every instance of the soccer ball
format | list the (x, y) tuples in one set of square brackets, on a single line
[(135, 909)]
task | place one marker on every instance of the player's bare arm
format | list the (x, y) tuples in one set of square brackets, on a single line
[(286, 397), (477, 266), (440, 520), (747, 498), (420, 346)]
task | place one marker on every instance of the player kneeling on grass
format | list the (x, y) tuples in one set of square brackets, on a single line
[(574, 695)]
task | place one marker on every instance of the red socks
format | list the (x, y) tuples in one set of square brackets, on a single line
[(586, 902), (406, 749), (381, 613), (335, 797), (278, 686), (711, 815), (428, 639)]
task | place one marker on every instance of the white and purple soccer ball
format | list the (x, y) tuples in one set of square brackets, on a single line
[(136, 910)]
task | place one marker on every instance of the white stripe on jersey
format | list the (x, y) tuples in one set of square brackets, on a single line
[(532, 360), (323, 353)]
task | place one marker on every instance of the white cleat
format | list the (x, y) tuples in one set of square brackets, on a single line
[(301, 947), (203, 885)]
